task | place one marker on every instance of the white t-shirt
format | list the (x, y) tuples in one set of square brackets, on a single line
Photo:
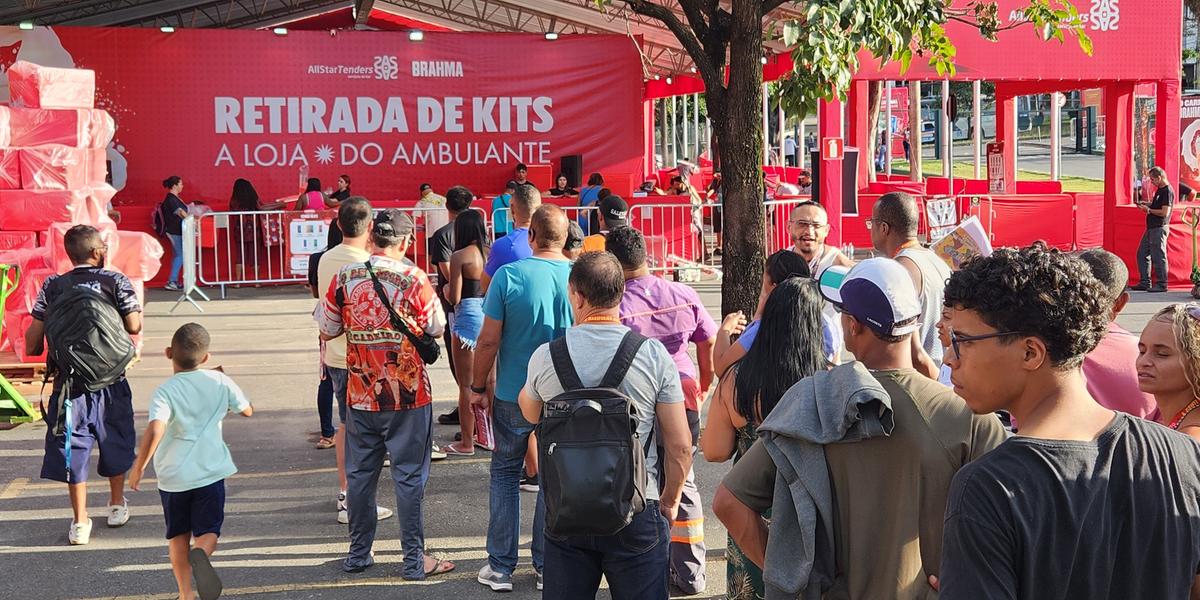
[(192, 453)]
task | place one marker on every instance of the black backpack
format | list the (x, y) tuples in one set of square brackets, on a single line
[(89, 347), (158, 221), (591, 462)]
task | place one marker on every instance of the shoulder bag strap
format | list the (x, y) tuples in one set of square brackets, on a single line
[(623, 359), (568, 377), (398, 322)]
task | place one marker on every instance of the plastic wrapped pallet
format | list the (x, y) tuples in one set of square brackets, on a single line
[(15, 325), (10, 169), (78, 128), (139, 255), (33, 267), (14, 240), (58, 167), (34, 86), (37, 210), (59, 260)]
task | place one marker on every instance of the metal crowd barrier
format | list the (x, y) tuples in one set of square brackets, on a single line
[(580, 214), (244, 248), (680, 238)]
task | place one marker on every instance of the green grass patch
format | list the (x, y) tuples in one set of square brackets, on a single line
[(966, 170)]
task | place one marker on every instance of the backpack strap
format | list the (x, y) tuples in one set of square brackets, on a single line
[(623, 359), (568, 377)]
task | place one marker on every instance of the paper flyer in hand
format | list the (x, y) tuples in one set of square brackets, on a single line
[(484, 436), (967, 241)]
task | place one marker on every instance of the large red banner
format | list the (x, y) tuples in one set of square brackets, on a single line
[(1189, 143), (454, 108)]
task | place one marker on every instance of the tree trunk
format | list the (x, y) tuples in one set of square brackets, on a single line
[(741, 143)]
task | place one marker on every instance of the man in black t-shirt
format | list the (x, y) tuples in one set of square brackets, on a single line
[(1085, 503), (102, 419), (1153, 247), (441, 246)]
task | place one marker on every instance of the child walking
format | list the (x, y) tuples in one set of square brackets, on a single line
[(191, 458)]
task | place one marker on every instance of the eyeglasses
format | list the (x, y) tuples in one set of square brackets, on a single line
[(872, 222), (809, 225), (956, 339)]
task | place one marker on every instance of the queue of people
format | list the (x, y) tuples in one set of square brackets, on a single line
[(897, 429)]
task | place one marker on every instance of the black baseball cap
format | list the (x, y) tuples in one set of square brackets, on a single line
[(615, 211), (393, 223), (426, 186)]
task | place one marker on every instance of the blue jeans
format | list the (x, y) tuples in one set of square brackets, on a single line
[(325, 404), (508, 461), (177, 257), (634, 561)]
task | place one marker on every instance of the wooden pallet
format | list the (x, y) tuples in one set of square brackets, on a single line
[(25, 381), (16, 371)]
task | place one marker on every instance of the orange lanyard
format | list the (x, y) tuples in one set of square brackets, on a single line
[(601, 319)]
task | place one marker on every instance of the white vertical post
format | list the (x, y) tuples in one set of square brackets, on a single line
[(696, 124), (803, 145), (782, 134), (1055, 135), (673, 129), (977, 126), (887, 129), (687, 141), (947, 137), (914, 133), (663, 127), (766, 126)]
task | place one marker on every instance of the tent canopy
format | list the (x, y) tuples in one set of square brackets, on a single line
[(662, 54)]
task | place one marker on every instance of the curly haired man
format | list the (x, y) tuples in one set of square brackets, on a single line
[(1084, 502)]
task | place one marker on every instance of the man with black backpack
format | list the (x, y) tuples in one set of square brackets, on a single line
[(87, 315), (598, 445)]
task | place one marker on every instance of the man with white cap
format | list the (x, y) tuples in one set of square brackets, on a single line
[(855, 463)]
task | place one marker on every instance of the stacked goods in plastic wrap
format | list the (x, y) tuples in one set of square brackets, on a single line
[(52, 177)]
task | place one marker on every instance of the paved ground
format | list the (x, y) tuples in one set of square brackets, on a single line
[(281, 538)]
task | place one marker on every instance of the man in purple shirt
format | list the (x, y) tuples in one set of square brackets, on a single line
[(673, 314)]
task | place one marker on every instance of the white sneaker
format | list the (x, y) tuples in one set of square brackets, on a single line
[(437, 454), (341, 500), (494, 580), (118, 514), (344, 515), (80, 533)]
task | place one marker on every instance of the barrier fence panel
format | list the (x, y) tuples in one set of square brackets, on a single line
[(675, 240), (273, 247)]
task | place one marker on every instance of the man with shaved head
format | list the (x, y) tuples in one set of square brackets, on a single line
[(893, 226), (527, 305), (808, 226)]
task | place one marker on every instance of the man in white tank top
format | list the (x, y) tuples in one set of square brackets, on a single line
[(808, 226), (893, 226)]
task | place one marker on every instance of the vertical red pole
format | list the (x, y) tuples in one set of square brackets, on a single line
[(829, 125), (1118, 154), (858, 128), (1166, 135), (1006, 132)]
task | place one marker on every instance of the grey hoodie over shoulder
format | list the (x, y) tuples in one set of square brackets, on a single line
[(845, 404)]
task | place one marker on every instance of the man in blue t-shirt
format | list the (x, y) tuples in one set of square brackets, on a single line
[(516, 245), (527, 305)]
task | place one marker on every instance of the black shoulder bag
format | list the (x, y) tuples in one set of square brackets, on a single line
[(426, 345)]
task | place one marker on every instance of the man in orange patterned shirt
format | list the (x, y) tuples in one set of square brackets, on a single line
[(388, 392)]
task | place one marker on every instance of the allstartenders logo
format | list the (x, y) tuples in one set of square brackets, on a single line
[(383, 68)]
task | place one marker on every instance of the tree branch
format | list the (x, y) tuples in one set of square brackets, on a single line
[(686, 37), (695, 17)]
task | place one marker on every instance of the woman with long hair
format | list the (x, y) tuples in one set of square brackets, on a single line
[(312, 198), (244, 199), (1168, 366), (787, 349), (466, 294)]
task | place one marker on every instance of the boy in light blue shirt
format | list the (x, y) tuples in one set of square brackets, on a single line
[(191, 458)]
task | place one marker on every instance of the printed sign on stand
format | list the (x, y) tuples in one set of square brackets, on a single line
[(306, 235), (942, 215)]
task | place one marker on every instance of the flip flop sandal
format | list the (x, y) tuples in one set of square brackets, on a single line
[(442, 566), (452, 451), (325, 443), (207, 581)]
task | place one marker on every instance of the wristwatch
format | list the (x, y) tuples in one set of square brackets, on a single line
[(479, 390)]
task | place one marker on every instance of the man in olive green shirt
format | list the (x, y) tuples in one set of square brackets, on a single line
[(889, 492)]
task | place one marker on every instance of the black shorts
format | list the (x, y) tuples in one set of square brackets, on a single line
[(200, 511)]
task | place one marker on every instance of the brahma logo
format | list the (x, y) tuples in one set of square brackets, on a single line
[(386, 68)]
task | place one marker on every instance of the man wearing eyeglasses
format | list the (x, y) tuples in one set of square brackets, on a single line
[(1085, 502), (888, 491), (808, 227)]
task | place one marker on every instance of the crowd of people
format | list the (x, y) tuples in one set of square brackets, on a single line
[(897, 429)]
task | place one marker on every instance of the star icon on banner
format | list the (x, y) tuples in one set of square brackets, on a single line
[(324, 154)]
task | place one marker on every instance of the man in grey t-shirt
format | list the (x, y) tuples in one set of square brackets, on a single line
[(635, 559)]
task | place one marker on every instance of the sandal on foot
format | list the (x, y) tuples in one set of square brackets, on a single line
[(441, 566), (454, 451), (207, 581), (325, 443)]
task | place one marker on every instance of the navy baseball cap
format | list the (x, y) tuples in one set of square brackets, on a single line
[(877, 292), (615, 211)]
